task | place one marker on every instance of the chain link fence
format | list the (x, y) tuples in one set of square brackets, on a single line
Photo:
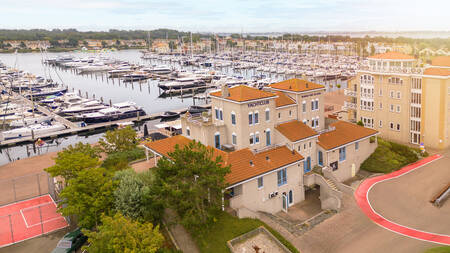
[(26, 187), (28, 219)]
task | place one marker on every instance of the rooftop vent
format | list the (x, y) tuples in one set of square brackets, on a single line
[(267, 158), (306, 85), (251, 163)]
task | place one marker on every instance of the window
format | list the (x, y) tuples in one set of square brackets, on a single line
[(256, 118), (234, 139), (267, 114), (342, 154), (304, 146), (256, 137), (381, 123), (252, 139), (316, 103), (290, 113), (381, 92), (250, 119), (391, 125), (312, 105), (398, 108), (217, 140), (392, 108), (221, 114), (356, 145), (279, 115), (398, 127), (399, 94), (260, 182), (381, 105), (299, 148), (268, 141), (233, 118), (309, 144), (392, 94), (304, 106), (188, 131), (281, 177), (217, 113)]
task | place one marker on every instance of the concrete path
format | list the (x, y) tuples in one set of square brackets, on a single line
[(181, 236)]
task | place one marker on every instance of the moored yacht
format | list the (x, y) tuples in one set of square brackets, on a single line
[(118, 111)]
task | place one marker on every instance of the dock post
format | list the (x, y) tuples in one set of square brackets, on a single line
[(138, 115), (110, 103), (87, 95)]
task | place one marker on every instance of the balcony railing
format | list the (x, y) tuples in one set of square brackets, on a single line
[(350, 105), (367, 95), (399, 70), (350, 93)]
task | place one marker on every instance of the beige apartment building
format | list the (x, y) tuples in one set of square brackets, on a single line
[(272, 139), (403, 101)]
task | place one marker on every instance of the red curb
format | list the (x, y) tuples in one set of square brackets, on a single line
[(361, 196)]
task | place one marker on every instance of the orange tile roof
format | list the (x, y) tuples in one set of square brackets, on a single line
[(241, 169), (344, 133), (283, 99), (443, 61), (437, 72), (296, 85), (295, 130), (392, 56), (244, 93), (262, 162)]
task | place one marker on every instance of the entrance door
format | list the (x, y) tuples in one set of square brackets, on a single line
[(320, 158), (285, 202), (291, 198), (307, 165), (217, 141)]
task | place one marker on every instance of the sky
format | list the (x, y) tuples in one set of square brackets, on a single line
[(228, 15)]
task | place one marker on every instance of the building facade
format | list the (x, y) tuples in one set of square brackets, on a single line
[(403, 101), (272, 139)]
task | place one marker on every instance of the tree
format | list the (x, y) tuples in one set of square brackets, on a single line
[(133, 196), (54, 43), (88, 196), (85, 43), (22, 45), (104, 45), (372, 49), (119, 140), (120, 234), (73, 159), (192, 182), (118, 43), (360, 123), (72, 42)]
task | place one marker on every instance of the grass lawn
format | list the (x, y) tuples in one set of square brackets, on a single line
[(390, 156), (214, 237), (443, 249)]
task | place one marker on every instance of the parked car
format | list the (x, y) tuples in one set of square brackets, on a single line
[(70, 242)]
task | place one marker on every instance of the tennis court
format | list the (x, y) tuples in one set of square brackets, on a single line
[(29, 218)]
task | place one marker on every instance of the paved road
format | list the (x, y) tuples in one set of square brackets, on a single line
[(352, 231)]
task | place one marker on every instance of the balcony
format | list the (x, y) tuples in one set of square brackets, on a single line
[(350, 105), (394, 70), (350, 93), (367, 95)]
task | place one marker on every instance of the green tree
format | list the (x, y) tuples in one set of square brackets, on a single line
[(191, 182), (133, 196), (119, 234), (73, 159), (119, 140), (372, 49), (54, 43), (88, 196), (22, 45), (85, 43), (104, 45), (72, 42), (360, 123)]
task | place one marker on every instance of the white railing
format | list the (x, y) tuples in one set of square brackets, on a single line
[(351, 93), (400, 70), (350, 105), (367, 95)]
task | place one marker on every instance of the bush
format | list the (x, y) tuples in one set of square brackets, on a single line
[(120, 160), (390, 156)]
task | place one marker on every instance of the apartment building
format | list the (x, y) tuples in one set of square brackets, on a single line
[(404, 102), (272, 139)]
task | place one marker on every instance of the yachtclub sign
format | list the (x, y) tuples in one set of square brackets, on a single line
[(254, 104)]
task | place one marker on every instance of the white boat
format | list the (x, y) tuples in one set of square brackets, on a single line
[(22, 122), (38, 129), (89, 106)]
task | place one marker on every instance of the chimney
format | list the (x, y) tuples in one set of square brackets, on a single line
[(225, 92), (306, 85)]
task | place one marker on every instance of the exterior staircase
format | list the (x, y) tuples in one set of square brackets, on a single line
[(331, 184)]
